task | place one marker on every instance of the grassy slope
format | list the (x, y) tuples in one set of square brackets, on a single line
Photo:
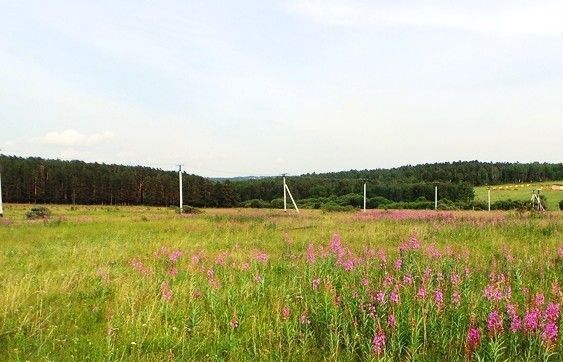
[(54, 306), (521, 193)]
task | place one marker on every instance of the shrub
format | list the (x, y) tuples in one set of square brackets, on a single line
[(334, 207), (190, 210), (256, 204), (560, 204), (377, 201), (38, 212)]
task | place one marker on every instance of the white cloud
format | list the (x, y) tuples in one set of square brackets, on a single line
[(71, 137), (538, 17)]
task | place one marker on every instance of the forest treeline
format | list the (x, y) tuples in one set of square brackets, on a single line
[(37, 180)]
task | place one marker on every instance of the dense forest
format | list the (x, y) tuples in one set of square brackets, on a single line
[(37, 180)]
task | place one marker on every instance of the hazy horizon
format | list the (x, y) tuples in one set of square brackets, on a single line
[(259, 88)]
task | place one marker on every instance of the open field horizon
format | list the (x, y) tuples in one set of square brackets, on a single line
[(522, 191)]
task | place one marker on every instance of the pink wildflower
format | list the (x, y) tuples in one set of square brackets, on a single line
[(439, 298), (165, 291), (261, 257), (380, 297), (315, 283), (394, 297), (398, 264), (552, 312), (549, 334), (539, 300), (515, 324), (456, 298), (494, 323), (421, 294), (285, 312), (391, 321), (473, 339), (175, 255), (378, 342), (311, 256), (531, 320)]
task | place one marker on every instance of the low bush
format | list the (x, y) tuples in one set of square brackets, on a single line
[(38, 212)]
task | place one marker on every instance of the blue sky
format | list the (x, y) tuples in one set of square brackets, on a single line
[(263, 87)]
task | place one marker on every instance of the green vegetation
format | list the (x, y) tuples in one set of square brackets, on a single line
[(38, 212), (521, 192), (40, 181), (145, 283)]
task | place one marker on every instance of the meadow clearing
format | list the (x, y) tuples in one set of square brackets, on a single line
[(522, 192), (144, 283)]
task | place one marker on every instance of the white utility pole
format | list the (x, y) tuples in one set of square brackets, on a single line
[(365, 195), (1, 206), (284, 194), (489, 196), (291, 197), (436, 197), (181, 194)]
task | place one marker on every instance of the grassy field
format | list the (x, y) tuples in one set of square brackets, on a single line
[(142, 283), (521, 192)]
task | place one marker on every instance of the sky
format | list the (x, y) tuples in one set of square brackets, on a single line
[(232, 88)]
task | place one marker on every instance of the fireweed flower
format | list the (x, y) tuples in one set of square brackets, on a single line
[(408, 279), (473, 339), (165, 291), (315, 283), (552, 312), (539, 300), (394, 296), (391, 321), (172, 271), (531, 320), (261, 257), (285, 312), (456, 298), (175, 255), (380, 297), (439, 299), (398, 264), (455, 279), (494, 323), (421, 294), (364, 282), (515, 324), (378, 342), (549, 334), (311, 255)]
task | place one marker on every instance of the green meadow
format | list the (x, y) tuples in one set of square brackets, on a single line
[(147, 284), (522, 192)]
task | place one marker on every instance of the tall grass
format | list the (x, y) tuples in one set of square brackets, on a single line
[(146, 284)]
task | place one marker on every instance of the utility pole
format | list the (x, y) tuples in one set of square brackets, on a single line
[(181, 193), (1, 206), (436, 197), (489, 196), (284, 193), (365, 194)]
